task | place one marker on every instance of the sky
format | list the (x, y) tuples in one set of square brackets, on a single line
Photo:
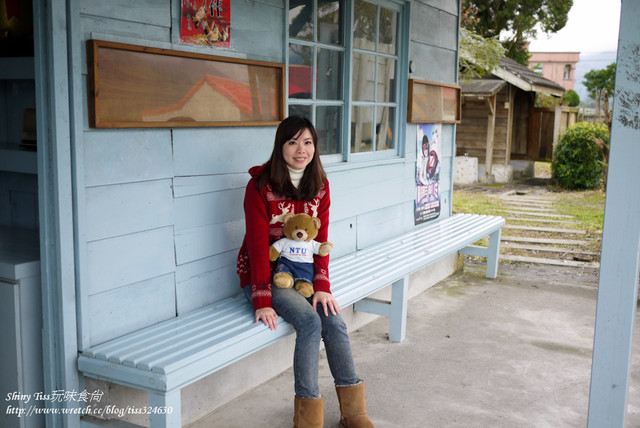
[(592, 27)]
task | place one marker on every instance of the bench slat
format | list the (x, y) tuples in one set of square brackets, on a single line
[(365, 261), (176, 338), (115, 345), (422, 239)]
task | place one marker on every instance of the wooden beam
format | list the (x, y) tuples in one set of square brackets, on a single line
[(490, 101), (512, 96), (618, 283), (491, 124)]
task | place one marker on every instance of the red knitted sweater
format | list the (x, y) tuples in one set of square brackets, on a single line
[(264, 210)]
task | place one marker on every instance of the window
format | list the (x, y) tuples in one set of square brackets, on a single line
[(567, 72), (342, 62)]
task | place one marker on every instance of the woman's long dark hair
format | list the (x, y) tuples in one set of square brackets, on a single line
[(275, 170)]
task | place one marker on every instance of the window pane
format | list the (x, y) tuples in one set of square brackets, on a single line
[(300, 71), (304, 111), (388, 24), (328, 119), (364, 27), (330, 15), (361, 129), (385, 121), (386, 80), (329, 75), (301, 20), (363, 76)]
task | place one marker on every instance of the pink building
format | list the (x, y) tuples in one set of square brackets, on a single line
[(559, 67)]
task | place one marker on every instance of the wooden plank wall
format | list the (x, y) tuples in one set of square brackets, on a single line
[(523, 103), (471, 136), (161, 216)]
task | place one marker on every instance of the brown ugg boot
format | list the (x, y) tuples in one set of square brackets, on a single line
[(308, 412), (353, 407)]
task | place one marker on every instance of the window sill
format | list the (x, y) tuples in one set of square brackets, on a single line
[(351, 165)]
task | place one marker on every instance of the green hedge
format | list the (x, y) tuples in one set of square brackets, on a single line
[(577, 160), (573, 98)]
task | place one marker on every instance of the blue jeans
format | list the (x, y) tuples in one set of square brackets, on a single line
[(311, 326)]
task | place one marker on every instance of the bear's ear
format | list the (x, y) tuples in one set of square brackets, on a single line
[(287, 217), (316, 222)]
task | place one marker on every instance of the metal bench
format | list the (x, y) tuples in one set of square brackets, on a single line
[(164, 358)]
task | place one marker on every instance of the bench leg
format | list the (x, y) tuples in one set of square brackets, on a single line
[(493, 254), (165, 409), (396, 310), (398, 315)]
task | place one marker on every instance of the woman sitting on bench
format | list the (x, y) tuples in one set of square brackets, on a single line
[(293, 181)]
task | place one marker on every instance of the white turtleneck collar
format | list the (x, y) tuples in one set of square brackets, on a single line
[(295, 175)]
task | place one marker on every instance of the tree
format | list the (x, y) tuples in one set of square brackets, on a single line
[(600, 84), (517, 20), (477, 55)]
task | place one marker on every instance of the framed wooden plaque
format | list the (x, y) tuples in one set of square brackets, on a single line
[(142, 87), (434, 102)]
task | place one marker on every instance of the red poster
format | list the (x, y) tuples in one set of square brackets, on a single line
[(427, 205), (205, 22)]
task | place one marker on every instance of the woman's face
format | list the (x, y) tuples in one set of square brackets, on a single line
[(298, 151)]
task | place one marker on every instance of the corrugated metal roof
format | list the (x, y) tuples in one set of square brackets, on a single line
[(527, 75), (482, 87), (514, 73)]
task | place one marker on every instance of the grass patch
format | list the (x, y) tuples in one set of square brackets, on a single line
[(586, 206), (476, 203), (542, 169)]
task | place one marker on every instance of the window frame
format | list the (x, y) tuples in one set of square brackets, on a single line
[(346, 102)]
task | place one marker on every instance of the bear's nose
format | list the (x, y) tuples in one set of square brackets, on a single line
[(300, 235)]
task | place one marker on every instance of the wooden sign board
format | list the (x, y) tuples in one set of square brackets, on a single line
[(142, 87), (434, 102)]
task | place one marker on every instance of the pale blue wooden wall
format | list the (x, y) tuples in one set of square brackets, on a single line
[(159, 214)]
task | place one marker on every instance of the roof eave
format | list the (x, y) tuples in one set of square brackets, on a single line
[(547, 90), (513, 79), (524, 84)]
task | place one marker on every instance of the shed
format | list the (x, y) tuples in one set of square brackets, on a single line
[(500, 122), (129, 225)]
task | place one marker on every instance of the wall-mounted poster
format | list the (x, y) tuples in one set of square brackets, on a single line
[(427, 206), (205, 22)]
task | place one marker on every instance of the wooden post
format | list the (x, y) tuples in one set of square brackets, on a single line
[(53, 81), (491, 124), (557, 121), (617, 290), (511, 98)]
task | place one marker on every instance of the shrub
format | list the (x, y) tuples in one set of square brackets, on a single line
[(577, 161), (573, 98)]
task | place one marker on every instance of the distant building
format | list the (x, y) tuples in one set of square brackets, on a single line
[(559, 67)]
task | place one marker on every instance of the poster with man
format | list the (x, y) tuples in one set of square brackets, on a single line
[(205, 22), (427, 205)]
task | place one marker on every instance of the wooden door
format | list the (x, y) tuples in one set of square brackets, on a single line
[(540, 135)]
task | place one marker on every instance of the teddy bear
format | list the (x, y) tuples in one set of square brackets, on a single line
[(295, 253)]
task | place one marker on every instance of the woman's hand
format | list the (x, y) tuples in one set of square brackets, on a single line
[(327, 301), (268, 317)]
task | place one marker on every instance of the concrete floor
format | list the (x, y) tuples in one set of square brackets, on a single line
[(510, 352)]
